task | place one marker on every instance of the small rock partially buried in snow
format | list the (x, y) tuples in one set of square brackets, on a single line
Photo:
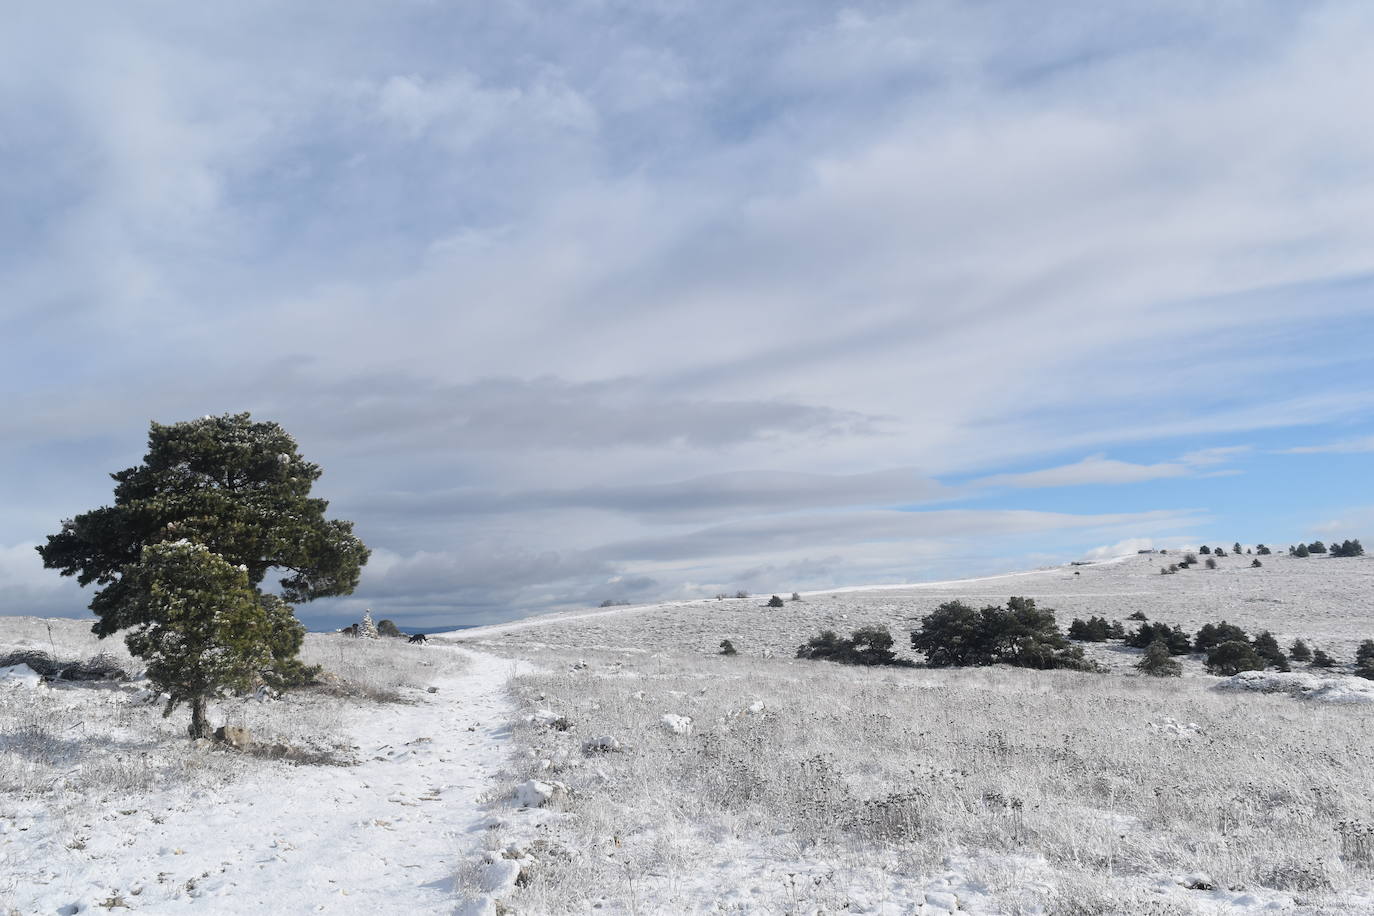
[(499, 875), (602, 745), (533, 793), (678, 725)]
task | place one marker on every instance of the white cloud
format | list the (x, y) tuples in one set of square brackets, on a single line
[(1348, 447)]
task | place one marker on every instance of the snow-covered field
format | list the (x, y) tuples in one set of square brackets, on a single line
[(610, 761), (350, 805)]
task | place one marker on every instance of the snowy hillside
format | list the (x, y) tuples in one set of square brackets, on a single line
[(612, 761)]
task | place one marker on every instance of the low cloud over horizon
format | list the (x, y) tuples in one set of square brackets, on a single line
[(643, 301)]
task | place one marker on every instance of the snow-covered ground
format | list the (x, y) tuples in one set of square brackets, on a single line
[(611, 761), (383, 829)]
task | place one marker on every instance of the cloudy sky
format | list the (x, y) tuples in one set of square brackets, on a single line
[(638, 300)]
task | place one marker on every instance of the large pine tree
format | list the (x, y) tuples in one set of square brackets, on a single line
[(240, 491)]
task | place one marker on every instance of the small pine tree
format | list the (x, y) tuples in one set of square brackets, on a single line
[(1267, 648), (1364, 659), (1321, 660), (1158, 662), (200, 627), (1116, 631), (1299, 651), (1316, 547), (1204, 550), (727, 647), (1214, 634), (1262, 550), (1232, 658), (387, 627), (1235, 548), (1300, 551), (1347, 548), (367, 629), (775, 601), (1255, 563), (1218, 552)]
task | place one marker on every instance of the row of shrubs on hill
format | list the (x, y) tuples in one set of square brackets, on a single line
[(1023, 635), (1349, 548)]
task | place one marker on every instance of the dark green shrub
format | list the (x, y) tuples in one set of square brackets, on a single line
[(1299, 551), (1321, 660), (1174, 638), (1316, 547), (1235, 548), (388, 628), (1233, 657), (1347, 549), (1267, 648), (1214, 634), (866, 646), (1018, 634), (1364, 659), (1158, 662), (775, 601), (1205, 550), (1116, 630), (1255, 563), (1094, 629), (1138, 615), (1299, 651), (1262, 550), (727, 647)]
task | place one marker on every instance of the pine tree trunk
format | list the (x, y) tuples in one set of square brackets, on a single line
[(200, 725)]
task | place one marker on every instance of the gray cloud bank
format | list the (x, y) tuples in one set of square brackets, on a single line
[(645, 297)]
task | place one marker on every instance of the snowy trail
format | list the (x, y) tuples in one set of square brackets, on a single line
[(385, 836)]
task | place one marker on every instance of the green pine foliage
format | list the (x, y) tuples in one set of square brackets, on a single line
[(727, 648), (1094, 629), (1267, 648), (1212, 635), (1316, 547), (1364, 659), (1321, 660), (1204, 550), (1255, 563), (386, 627), (1262, 550), (1018, 634), (1299, 652), (200, 626), (1174, 638), (241, 491), (1301, 550), (1233, 657), (775, 601), (865, 646), (1158, 661), (1347, 548)]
